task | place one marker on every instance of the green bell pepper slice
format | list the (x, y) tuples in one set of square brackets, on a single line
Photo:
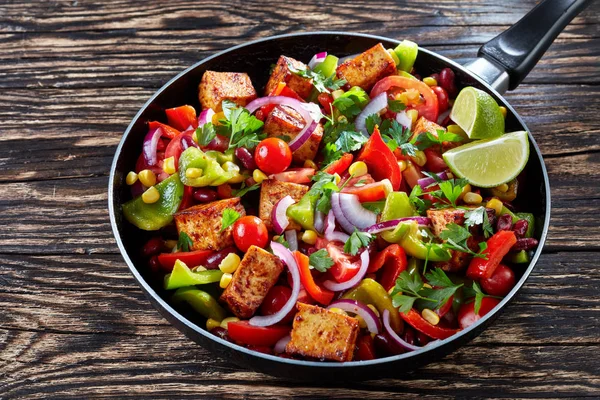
[(521, 257), (303, 212), (406, 234), (370, 291), (212, 172), (182, 276), (202, 302), (152, 217), (328, 66), (407, 52), (397, 205), (530, 220)]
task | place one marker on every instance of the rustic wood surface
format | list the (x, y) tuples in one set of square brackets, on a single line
[(74, 324)]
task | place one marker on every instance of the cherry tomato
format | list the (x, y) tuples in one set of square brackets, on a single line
[(275, 300), (442, 97), (248, 231), (501, 282), (273, 155), (345, 266), (467, 316)]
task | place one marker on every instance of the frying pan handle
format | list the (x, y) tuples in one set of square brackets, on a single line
[(506, 60)]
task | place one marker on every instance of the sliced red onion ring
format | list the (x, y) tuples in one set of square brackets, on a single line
[(442, 117), (362, 271), (394, 335), (376, 104), (339, 214), (205, 116), (281, 343), (317, 59), (286, 256), (303, 136), (278, 214), (355, 213), (292, 238), (319, 221), (404, 119), (391, 224), (150, 145), (424, 182), (330, 234), (353, 306)]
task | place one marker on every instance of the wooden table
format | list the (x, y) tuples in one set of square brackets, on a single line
[(74, 324)]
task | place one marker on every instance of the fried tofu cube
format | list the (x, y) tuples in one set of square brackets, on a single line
[(282, 73), (258, 271), (424, 125), (218, 86), (283, 121), (271, 191), (367, 68), (446, 216), (202, 223), (323, 334), (459, 260)]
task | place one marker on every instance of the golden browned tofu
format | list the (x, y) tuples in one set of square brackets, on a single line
[(271, 191), (425, 125), (202, 223), (459, 260), (367, 68), (441, 218), (281, 73), (320, 333), (218, 86), (255, 276), (283, 121)]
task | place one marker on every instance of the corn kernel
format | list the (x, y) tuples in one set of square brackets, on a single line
[(394, 56), (358, 168), (504, 111), (310, 164), (430, 81), (496, 205), (258, 176), (276, 238), (169, 165), (419, 158), (147, 177), (193, 173), (237, 178), (227, 320), (503, 188), (427, 285), (466, 189), (212, 324), (230, 263), (225, 280), (413, 95), (430, 316), (413, 115), (337, 310), (402, 165), (217, 117), (472, 198), (230, 166), (337, 178), (309, 237), (151, 195), (131, 178), (170, 244), (375, 310)]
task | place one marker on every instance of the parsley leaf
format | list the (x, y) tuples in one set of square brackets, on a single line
[(397, 136), (479, 216), (351, 103), (456, 238), (371, 121), (281, 239), (319, 81), (229, 218), (184, 243), (245, 189), (357, 241), (420, 204), (324, 186), (240, 126), (205, 134), (406, 291), (410, 288), (375, 206), (396, 106), (427, 139), (320, 260), (449, 191), (350, 141), (475, 291)]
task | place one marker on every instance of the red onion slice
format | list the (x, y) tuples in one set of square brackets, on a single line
[(404, 119), (330, 234), (375, 106), (302, 136), (278, 214), (281, 343), (442, 117), (353, 306), (355, 213), (205, 116), (339, 214), (317, 59), (394, 335), (150, 145), (424, 182), (391, 224), (319, 221), (362, 271), (292, 238), (286, 256)]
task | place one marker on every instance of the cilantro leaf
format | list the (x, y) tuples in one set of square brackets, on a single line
[(414, 198), (205, 134), (240, 126), (229, 217), (479, 216), (184, 243), (452, 188), (281, 239), (330, 154), (245, 189), (397, 136), (357, 241), (320, 82), (350, 141), (323, 187), (396, 106), (403, 302), (427, 139), (320, 260), (456, 238), (371, 121), (410, 288), (347, 106)]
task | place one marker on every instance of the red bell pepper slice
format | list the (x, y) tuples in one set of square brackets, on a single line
[(428, 109), (365, 349), (380, 160), (190, 258), (188, 198), (181, 118), (391, 261), (340, 165), (414, 319), (497, 247), (321, 295), (370, 192), (167, 131), (243, 332)]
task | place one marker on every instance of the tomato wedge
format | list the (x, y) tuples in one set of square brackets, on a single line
[(341, 165), (295, 175), (414, 319), (345, 266), (182, 117), (190, 258), (243, 332), (321, 295), (380, 160), (370, 192), (167, 131), (427, 109)]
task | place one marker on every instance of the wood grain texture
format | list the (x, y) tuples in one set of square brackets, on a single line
[(73, 322)]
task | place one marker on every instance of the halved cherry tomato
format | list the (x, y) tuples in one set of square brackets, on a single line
[(275, 300), (391, 261), (167, 131), (346, 266), (190, 258), (380, 160), (370, 192), (295, 175), (467, 316), (321, 295), (273, 155), (181, 118), (428, 109), (249, 231), (435, 162), (341, 165), (243, 332), (414, 319), (365, 348), (500, 283), (442, 97), (497, 247)]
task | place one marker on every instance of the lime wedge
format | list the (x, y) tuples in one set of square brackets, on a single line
[(478, 114), (490, 162)]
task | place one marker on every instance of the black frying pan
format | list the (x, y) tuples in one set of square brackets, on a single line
[(502, 64)]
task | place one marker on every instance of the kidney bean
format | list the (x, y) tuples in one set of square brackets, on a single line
[(213, 261), (222, 333), (386, 346), (504, 223), (410, 335), (205, 195), (154, 264), (447, 81), (525, 244), (491, 214), (219, 143), (520, 228), (442, 96), (153, 246), (436, 77), (246, 157)]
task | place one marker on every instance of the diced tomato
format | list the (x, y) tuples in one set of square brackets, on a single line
[(321, 295), (467, 316), (275, 300), (295, 175), (243, 332), (414, 319), (224, 191), (190, 258), (370, 192), (181, 118), (391, 261), (435, 162), (380, 160), (341, 165), (497, 247), (167, 131), (427, 109), (346, 266)]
